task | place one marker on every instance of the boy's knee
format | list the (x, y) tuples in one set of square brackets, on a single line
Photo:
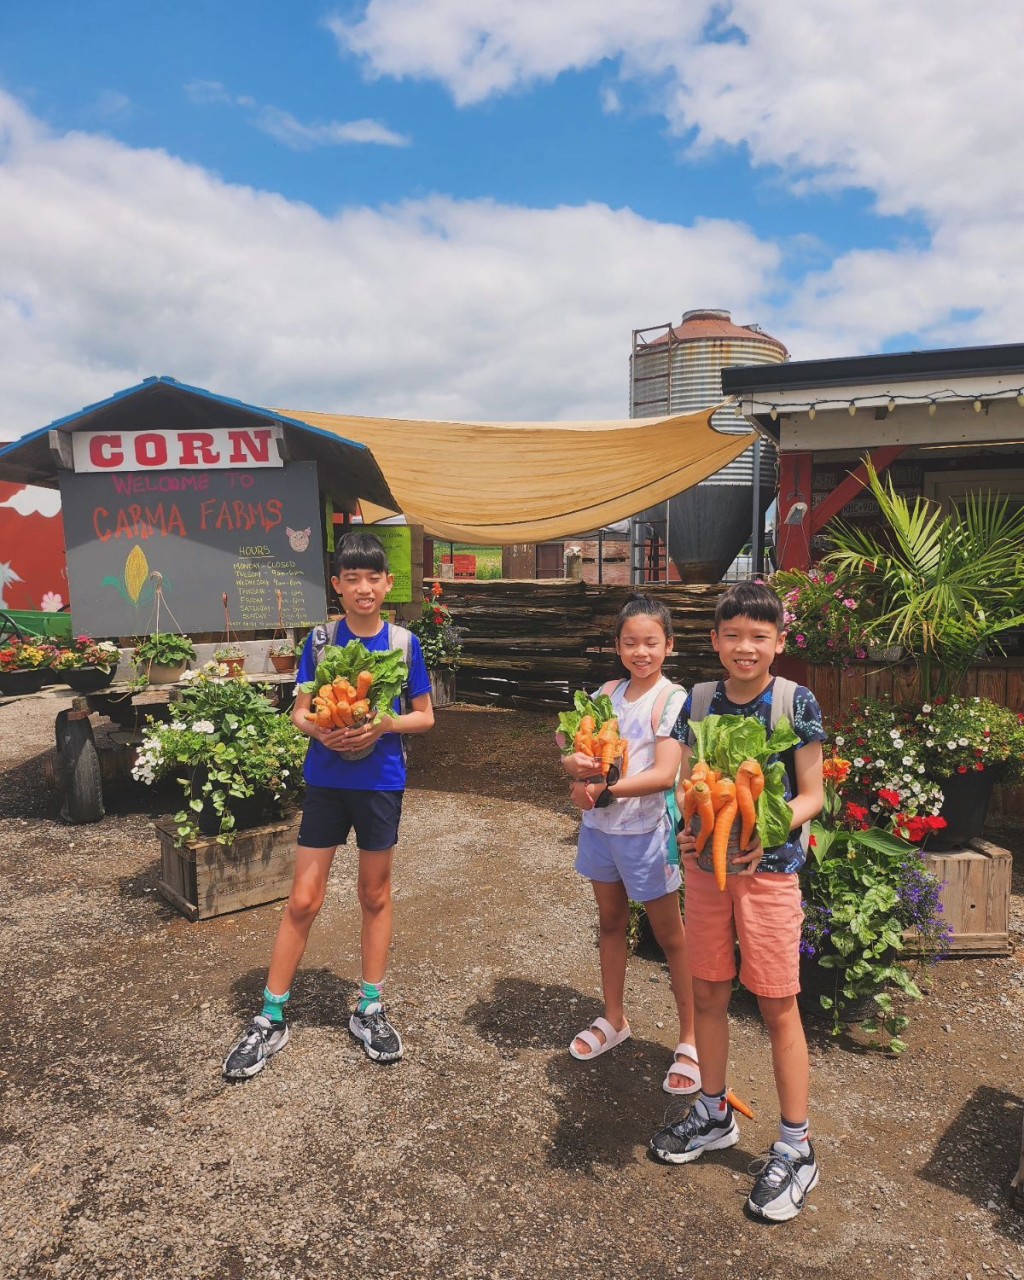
[(711, 997), (374, 898), (778, 1010)]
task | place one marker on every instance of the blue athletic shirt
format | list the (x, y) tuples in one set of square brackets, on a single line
[(788, 857), (384, 768)]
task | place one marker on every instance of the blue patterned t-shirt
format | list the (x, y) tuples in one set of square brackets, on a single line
[(807, 724)]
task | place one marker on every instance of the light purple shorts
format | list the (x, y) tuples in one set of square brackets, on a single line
[(640, 862)]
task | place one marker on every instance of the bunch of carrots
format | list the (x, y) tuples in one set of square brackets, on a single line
[(602, 744), (341, 705), (717, 800)]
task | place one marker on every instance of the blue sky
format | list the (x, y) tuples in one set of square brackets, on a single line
[(443, 208)]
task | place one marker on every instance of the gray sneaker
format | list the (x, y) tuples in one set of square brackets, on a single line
[(259, 1041), (784, 1178), (695, 1133), (380, 1040)]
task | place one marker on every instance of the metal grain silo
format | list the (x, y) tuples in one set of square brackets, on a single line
[(678, 369)]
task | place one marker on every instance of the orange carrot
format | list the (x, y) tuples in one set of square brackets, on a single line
[(624, 758), (699, 772), (343, 715), (339, 690), (584, 740), (360, 710), (324, 719), (363, 682), (745, 775), (705, 810), (720, 844), (327, 692), (722, 792), (608, 742), (689, 805), (738, 1105)]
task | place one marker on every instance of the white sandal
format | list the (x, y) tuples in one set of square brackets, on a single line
[(688, 1068), (611, 1039)]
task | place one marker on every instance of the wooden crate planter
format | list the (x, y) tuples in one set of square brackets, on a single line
[(203, 878), (975, 897)]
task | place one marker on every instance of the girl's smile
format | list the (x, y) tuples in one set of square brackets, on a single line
[(643, 648)]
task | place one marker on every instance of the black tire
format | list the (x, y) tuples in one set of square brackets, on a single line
[(79, 762), (9, 629)]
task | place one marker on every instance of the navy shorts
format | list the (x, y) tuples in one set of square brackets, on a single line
[(329, 814)]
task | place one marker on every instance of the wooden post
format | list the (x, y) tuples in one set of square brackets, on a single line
[(794, 541)]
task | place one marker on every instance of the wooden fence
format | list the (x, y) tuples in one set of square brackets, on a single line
[(529, 644)]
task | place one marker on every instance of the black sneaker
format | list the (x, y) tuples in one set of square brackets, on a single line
[(380, 1040), (695, 1133), (259, 1041), (784, 1177)]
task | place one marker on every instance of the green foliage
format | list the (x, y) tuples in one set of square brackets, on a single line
[(437, 634), (862, 889), (945, 585), (826, 618), (166, 649), (225, 742)]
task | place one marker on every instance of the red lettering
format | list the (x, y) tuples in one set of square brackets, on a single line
[(205, 510), (106, 451), (224, 517), (99, 514), (150, 449), (250, 446), (273, 514), (197, 447)]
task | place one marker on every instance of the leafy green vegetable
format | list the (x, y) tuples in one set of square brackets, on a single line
[(569, 721), (726, 741), (345, 663)]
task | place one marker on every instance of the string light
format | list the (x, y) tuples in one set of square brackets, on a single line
[(946, 396)]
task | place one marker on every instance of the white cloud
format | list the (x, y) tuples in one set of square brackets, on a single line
[(118, 263), (33, 501), (285, 128)]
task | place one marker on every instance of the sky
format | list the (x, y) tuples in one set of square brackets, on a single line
[(462, 208)]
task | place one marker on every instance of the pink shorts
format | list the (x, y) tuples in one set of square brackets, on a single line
[(763, 912)]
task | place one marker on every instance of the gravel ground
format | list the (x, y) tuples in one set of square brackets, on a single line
[(488, 1152)]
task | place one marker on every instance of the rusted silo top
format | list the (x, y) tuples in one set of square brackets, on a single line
[(707, 324)]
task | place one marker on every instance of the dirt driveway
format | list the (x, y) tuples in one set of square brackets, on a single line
[(488, 1152)]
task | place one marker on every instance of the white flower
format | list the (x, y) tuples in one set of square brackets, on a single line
[(920, 768), (908, 759), (962, 742), (897, 743), (203, 726), (894, 733), (926, 708), (177, 725), (839, 740), (858, 763), (951, 746)]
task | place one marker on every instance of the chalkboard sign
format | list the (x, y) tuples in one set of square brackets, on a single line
[(198, 534)]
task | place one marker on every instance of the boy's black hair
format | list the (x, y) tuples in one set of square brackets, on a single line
[(359, 550), (751, 600), (636, 605)]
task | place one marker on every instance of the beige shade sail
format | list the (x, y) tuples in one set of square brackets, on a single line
[(507, 482)]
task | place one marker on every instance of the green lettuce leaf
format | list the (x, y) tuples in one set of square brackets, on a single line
[(569, 721)]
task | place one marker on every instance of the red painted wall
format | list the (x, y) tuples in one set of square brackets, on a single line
[(33, 571)]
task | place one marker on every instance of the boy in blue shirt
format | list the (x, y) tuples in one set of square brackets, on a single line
[(342, 795)]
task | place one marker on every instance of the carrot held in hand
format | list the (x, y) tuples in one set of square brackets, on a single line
[(363, 682), (722, 792), (689, 805), (608, 742), (720, 843), (705, 810), (343, 715)]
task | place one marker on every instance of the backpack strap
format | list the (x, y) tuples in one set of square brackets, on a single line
[(701, 697), (661, 702), (783, 703), (401, 638)]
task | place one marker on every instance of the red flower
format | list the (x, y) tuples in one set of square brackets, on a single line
[(962, 768), (856, 812), (890, 797), (812, 842)]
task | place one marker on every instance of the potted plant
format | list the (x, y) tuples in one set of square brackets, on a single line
[(87, 665), (864, 885), (235, 757), (946, 587), (826, 618), (439, 640), (231, 656), (284, 655), (24, 665), (931, 760), (164, 656)]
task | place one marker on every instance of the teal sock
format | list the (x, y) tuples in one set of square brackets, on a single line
[(273, 1006), (369, 995)]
